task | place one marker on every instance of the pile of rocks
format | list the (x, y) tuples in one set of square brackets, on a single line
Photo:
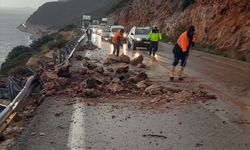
[(116, 76), (93, 79)]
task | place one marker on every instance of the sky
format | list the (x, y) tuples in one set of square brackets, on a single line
[(23, 3)]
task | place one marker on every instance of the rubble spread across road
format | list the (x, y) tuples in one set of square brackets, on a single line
[(113, 78)]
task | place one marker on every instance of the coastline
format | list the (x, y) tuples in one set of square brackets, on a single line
[(35, 31)]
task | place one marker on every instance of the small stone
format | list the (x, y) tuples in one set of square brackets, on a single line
[(116, 80), (41, 134), (141, 85), (33, 133), (110, 70), (153, 89), (115, 87)]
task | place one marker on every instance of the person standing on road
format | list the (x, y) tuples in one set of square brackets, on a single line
[(154, 37), (117, 41), (89, 33), (181, 51)]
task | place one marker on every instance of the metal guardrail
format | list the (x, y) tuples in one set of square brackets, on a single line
[(11, 110), (65, 53), (78, 42)]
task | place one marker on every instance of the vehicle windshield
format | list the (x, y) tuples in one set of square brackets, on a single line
[(115, 29), (142, 31)]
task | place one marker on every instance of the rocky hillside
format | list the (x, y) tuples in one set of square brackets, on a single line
[(61, 13), (221, 24)]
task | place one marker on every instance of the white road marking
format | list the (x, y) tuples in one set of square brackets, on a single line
[(76, 139)]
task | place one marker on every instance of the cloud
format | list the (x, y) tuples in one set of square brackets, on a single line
[(23, 3)]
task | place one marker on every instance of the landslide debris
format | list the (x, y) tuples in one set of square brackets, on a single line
[(115, 78)]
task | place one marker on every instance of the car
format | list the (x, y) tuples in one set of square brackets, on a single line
[(137, 37), (106, 33), (113, 30)]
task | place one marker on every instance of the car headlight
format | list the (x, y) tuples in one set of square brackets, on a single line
[(125, 35), (138, 39), (99, 31)]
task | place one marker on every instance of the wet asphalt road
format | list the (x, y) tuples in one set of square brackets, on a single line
[(215, 125)]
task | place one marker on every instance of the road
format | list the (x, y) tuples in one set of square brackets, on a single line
[(222, 124)]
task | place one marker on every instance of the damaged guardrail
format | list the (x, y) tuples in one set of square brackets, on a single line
[(7, 115), (78, 42)]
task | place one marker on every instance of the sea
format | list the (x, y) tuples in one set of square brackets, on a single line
[(10, 36)]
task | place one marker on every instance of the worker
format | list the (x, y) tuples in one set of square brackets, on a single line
[(117, 41), (89, 33), (181, 51), (154, 37)]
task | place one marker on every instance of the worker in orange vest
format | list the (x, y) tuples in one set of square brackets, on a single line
[(117, 41), (181, 51)]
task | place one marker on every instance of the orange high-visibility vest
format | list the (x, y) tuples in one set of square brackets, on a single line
[(117, 35), (183, 41)]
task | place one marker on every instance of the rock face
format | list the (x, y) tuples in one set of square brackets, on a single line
[(223, 24)]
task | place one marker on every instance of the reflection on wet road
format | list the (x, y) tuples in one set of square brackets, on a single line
[(158, 65)]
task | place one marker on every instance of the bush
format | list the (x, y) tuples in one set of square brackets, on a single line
[(21, 72), (36, 45), (16, 58), (186, 3)]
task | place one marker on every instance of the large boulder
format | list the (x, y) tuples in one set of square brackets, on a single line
[(99, 69), (93, 82), (88, 64), (140, 77), (137, 60), (91, 93), (83, 70), (124, 59), (142, 65), (122, 68), (111, 59), (63, 71)]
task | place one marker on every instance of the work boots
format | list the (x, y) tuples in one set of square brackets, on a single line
[(181, 73), (172, 73)]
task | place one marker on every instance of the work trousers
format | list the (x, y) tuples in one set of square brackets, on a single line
[(116, 50), (153, 47), (179, 55)]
